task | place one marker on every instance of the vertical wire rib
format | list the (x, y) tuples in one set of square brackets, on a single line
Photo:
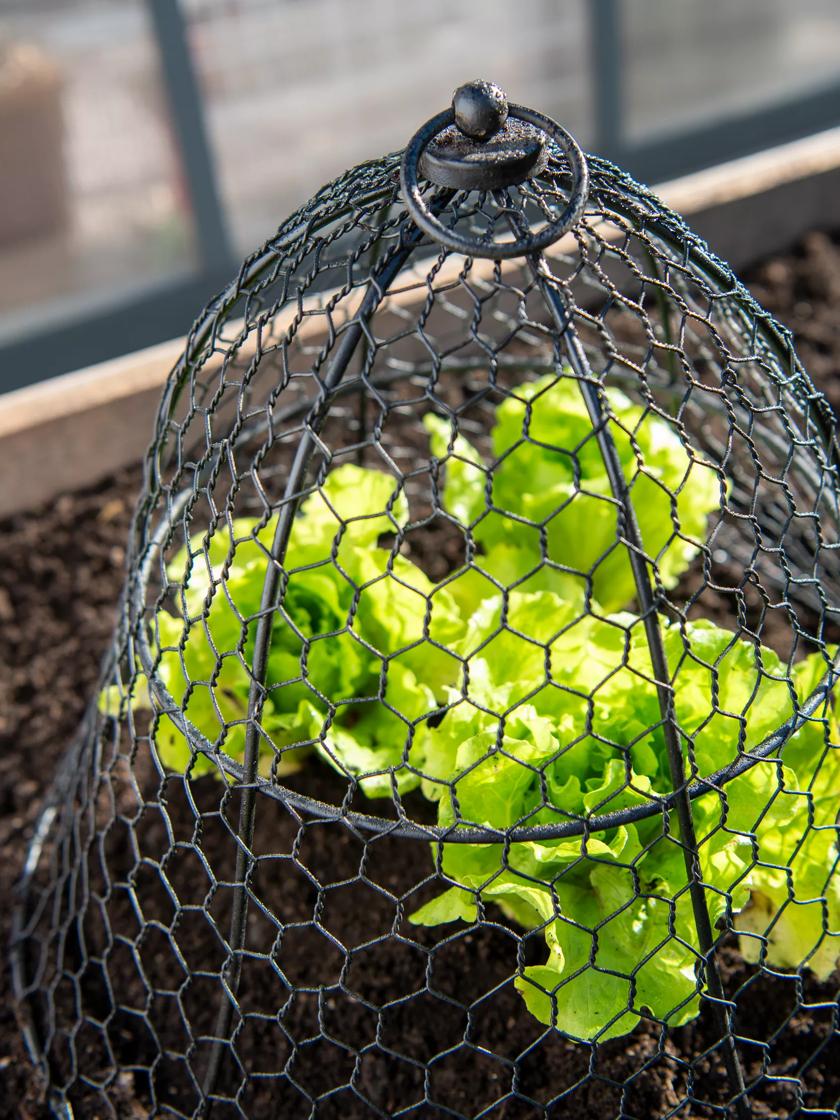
[(362, 396), (590, 392), (380, 281)]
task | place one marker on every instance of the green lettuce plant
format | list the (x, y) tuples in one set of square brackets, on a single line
[(518, 693)]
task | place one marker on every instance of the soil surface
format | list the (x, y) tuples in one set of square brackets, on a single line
[(61, 569)]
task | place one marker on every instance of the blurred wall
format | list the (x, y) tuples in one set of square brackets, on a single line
[(149, 145)]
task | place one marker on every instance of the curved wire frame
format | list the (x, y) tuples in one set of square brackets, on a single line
[(329, 349)]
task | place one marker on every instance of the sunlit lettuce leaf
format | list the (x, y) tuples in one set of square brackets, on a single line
[(453, 905), (358, 647), (545, 494)]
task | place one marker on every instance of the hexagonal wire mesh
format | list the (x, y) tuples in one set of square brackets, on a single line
[(466, 747)]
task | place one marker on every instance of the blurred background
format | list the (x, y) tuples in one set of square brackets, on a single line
[(146, 146)]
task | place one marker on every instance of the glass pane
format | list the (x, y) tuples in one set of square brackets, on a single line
[(299, 90), (91, 203), (688, 63)]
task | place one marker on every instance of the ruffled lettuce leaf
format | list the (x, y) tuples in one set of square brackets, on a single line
[(545, 495), (358, 649)]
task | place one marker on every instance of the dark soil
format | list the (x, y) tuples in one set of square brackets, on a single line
[(61, 569), (803, 291)]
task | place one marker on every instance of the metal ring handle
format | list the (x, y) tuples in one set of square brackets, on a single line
[(471, 247)]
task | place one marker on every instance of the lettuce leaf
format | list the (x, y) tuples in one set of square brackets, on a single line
[(358, 647), (547, 477), (516, 693)]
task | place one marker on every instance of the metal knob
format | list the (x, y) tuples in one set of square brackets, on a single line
[(481, 143), (480, 109)]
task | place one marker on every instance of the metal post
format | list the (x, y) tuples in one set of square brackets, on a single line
[(185, 105), (606, 76)]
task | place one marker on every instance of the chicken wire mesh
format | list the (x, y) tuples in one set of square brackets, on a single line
[(467, 746)]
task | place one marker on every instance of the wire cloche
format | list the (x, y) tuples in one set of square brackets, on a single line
[(467, 744)]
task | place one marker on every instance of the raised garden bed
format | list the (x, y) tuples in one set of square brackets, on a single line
[(62, 570)]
